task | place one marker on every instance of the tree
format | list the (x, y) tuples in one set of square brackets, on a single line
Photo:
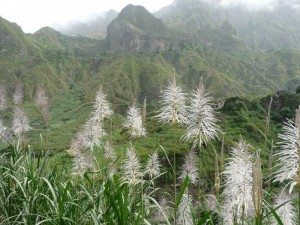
[(298, 90)]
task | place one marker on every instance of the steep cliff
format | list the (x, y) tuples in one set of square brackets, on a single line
[(137, 30)]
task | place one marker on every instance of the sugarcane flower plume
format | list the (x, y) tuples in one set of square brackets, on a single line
[(2, 128), (2, 97), (132, 173), (18, 95), (162, 211), (77, 144), (185, 216), (109, 152), (92, 133), (81, 164), (20, 122), (288, 155), (42, 102), (285, 210), (238, 184), (153, 165), (134, 123), (174, 107), (201, 123), (211, 203), (190, 168), (101, 106)]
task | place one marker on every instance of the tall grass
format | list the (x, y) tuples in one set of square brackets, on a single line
[(33, 193), (34, 190)]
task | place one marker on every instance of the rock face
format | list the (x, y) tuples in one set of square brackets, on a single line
[(137, 30), (11, 36)]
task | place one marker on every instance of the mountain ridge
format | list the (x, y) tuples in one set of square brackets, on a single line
[(137, 30), (227, 66)]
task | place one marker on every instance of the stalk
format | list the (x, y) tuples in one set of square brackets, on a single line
[(175, 194), (142, 202), (298, 204), (270, 164), (200, 143), (268, 121), (257, 191), (217, 176), (222, 156)]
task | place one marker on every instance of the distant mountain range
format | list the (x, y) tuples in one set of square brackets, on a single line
[(260, 29), (237, 52)]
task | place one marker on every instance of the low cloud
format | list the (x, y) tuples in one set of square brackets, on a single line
[(250, 4)]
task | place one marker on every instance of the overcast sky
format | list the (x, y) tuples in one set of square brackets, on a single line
[(31, 15)]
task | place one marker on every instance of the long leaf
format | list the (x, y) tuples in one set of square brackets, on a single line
[(182, 190), (205, 218)]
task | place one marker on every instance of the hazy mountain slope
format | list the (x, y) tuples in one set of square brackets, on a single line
[(51, 40), (260, 29), (95, 28), (21, 61)]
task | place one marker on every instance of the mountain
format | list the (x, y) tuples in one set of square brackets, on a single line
[(137, 59), (21, 61), (95, 28), (137, 30), (263, 29), (53, 41)]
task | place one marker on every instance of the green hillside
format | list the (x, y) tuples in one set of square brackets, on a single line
[(263, 29), (86, 161), (72, 68)]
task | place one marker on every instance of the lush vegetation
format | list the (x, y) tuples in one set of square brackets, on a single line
[(50, 174), (42, 186)]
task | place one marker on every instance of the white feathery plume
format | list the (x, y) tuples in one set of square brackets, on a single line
[(286, 212), (134, 123), (211, 203), (81, 164), (174, 108), (2, 127), (18, 95), (20, 123), (2, 130), (101, 106), (201, 118), (5, 133), (2, 98), (77, 144), (238, 185), (42, 102), (109, 152), (190, 168), (132, 168), (162, 211), (92, 134), (185, 216), (153, 165), (288, 156)]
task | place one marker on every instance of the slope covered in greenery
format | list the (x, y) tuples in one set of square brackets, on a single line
[(73, 68), (261, 29)]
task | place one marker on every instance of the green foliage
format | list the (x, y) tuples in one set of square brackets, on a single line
[(298, 90), (35, 193), (283, 106)]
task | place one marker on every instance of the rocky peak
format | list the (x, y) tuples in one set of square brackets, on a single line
[(135, 29)]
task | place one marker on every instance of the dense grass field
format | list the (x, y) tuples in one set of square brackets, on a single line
[(156, 177)]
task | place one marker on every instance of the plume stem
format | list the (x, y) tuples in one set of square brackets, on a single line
[(175, 194), (200, 143)]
